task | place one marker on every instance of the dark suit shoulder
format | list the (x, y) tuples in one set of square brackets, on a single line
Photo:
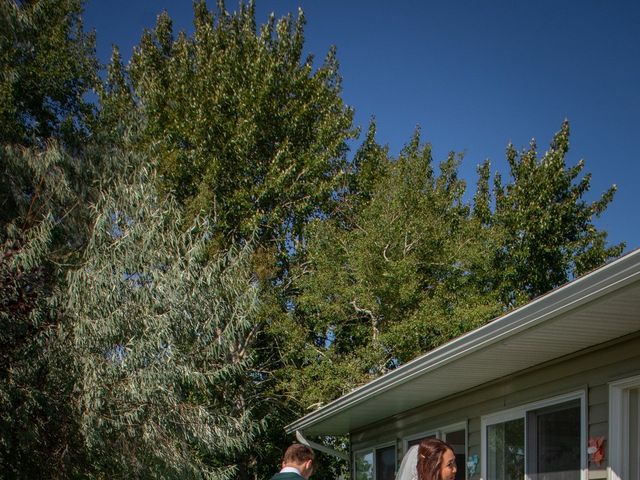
[(287, 476)]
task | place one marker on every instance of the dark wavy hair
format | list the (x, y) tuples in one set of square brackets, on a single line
[(430, 454)]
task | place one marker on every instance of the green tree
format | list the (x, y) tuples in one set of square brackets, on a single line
[(396, 276), (117, 122), (38, 237), (545, 226), (47, 64), (243, 128), (162, 341), (406, 264), (248, 132)]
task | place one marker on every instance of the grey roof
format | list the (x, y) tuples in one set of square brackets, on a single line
[(596, 308)]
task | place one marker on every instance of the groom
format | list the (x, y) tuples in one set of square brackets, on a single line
[(297, 463)]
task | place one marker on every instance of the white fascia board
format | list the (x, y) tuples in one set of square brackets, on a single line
[(604, 280)]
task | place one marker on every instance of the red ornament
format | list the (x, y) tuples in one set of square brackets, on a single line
[(596, 450)]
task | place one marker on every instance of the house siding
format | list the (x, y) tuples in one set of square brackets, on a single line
[(589, 372)]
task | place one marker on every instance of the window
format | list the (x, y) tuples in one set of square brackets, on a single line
[(505, 450), (416, 441), (624, 429), (454, 435), (376, 464), (541, 441), (386, 463), (554, 442), (458, 440), (363, 464)]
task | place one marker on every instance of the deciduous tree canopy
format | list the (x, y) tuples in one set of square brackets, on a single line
[(141, 335), (162, 341)]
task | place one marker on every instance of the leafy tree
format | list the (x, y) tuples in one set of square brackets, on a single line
[(546, 228), (248, 132), (117, 122), (398, 276), (243, 128), (38, 235), (405, 264), (47, 64), (162, 341)]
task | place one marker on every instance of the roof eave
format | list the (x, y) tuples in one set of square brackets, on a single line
[(588, 288)]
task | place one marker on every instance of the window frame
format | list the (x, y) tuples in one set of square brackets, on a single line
[(520, 412), (440, 433), (426, 433), (365, 451), (374, 450), (618, 431), (454, 427)]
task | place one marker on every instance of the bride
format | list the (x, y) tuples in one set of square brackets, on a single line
[(432, 460), (408, 468)]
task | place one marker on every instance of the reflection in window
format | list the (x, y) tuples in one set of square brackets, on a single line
[(553, 444), (364, 465), (505, 450), (554, 439)]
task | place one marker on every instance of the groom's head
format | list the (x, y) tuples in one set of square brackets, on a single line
[(300, 457)]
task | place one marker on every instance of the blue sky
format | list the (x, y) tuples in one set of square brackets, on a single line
[(473, 75)]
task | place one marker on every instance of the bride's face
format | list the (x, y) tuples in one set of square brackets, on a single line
[(448, 466)]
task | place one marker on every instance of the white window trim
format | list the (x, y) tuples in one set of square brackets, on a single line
[(426, 433), (438, 433), (520, 412), (454, 428), (618, 429), (373, 449)]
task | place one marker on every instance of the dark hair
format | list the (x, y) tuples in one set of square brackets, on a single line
[(297, 454), (430, 455)]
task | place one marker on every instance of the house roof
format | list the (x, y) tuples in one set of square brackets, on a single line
[(593, 309)]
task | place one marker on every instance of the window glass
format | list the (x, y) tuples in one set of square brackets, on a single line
[(552, 450), (554, 436), (457, 439), (416, 441), (505, 450), (364, 465), (386, 463)]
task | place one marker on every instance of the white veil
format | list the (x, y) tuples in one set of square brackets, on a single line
[(409, 467)]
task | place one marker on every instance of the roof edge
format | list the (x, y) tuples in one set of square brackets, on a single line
[(606, 279)]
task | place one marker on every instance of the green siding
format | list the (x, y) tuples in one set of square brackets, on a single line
[(589, 371)]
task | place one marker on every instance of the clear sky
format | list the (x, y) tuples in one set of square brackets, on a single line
[(474, 75)]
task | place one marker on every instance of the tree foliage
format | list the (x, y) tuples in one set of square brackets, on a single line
[(406, 264), (546, 226), (47, 64), (399, 272), (242, 126), (247, 132), (162, 341), (38, 235)]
